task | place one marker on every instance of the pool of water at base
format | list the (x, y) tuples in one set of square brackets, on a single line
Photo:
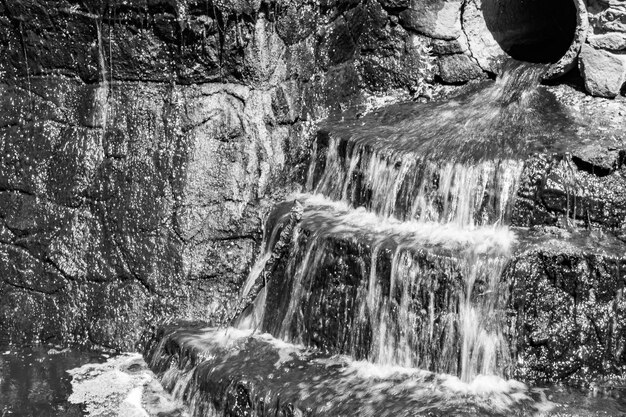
[(35, 382)]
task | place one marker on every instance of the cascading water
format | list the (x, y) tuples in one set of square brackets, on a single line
[(394, 256), (413, 294), (431, 243)]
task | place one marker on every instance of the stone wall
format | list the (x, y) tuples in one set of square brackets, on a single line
[(144, 141), (603, 57)]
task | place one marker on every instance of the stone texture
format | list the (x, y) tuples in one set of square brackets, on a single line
[(607, 16), (438, 19), (604, 73), (443, 47), (143, 143), (567, 298), (458, 68), (583, 190), (395, 4), (610, 41), (126, 209), (482, 45)]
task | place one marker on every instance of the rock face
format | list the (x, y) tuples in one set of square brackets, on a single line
[(436, 19), (570, 192), (601, 63), (614, 41), (458, 68), (567, 300), (142, 144)]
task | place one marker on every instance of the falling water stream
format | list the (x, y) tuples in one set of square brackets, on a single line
[(441, 305), (391, 261)]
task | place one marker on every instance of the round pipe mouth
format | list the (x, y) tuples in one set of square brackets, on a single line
[(540, 31), (569, 59)]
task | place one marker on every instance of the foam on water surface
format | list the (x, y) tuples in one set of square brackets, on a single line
[(326, 216), (304, 377), (122, 386)]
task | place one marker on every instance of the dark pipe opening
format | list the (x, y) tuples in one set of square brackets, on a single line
[(532, 30)]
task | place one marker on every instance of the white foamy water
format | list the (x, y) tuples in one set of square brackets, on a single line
[(409, 187), (409, 217), (403, 313), (338, 218), (422, 390), (457, 161), (124, 387)]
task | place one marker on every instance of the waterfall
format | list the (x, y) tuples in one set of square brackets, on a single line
[(412, 294), (408, 187), (399, 254), (379, 290)]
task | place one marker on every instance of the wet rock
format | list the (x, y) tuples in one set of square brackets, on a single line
[(572, 191), (604, 72), (113, 201), (238, 373), (159, 134), (458, 68), (569, 309), (438, 19), (395, 4)]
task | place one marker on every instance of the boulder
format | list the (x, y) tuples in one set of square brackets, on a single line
[(566, 292), (436, 19), (604, 72)]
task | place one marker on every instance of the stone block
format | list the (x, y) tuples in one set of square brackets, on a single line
[(604, 72), (436, 19)]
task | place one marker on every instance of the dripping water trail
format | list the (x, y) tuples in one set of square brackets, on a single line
[(250, 305), (103, 91)]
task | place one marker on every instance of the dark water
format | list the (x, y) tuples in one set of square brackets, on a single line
[(35, 382)]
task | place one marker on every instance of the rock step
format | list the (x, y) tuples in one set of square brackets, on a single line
[(387, 291), (350, 282), (237, 373)]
